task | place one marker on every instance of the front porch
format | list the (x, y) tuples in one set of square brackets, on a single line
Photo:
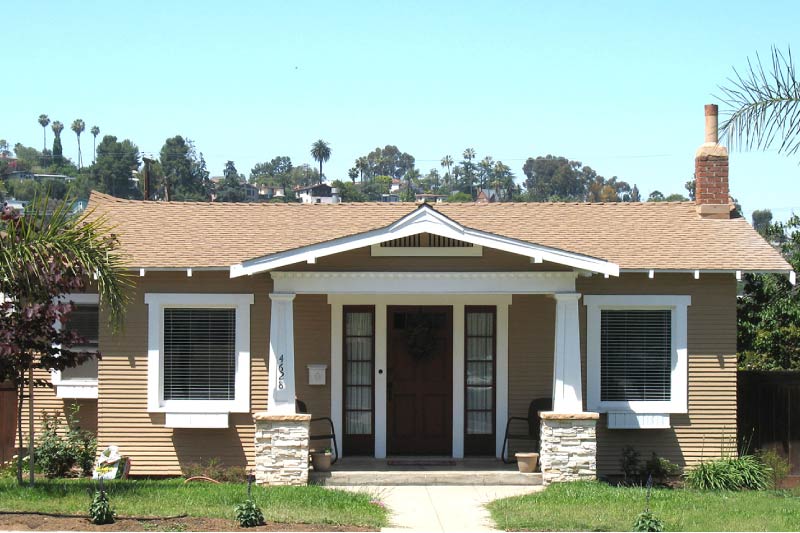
[(454, 402), (416, 470)]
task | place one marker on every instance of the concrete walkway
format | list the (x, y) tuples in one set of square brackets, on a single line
[(440, 507)]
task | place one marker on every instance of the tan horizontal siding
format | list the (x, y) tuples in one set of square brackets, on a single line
[(45, 402), (709, 429), (122, 410)]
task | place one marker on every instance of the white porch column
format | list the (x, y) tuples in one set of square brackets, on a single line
[(281, 355), (567, 392)]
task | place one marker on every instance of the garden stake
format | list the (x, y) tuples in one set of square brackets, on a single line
[(250, 479), (647, 496)]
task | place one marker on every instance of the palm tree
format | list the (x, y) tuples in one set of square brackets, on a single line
[(447, 162), (43, 253), (58, 151), (78, 125), (362, 165), (469, 155), (320, 151), (95, 132), (763, 104), (44, 121)]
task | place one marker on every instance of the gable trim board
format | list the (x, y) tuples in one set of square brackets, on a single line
[(424, 219)]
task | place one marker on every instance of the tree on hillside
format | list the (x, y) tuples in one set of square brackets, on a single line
[(321, 152), (113, 169), (553, 178), (44, 121), (276, 173), (58, 150), (349, 192), (5, 149), (762, 220), (769, 309), (763, 105), (46, 255), (95, 132), (231, 188), (386, 161), (183, 171), (78, 125)]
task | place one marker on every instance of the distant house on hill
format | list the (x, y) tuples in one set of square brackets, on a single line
[(318, 194)]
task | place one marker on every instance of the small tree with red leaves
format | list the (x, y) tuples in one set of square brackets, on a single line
[(46, 254)]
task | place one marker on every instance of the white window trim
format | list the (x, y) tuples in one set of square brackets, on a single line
[(156, 303), (680, 354), (81, 388)]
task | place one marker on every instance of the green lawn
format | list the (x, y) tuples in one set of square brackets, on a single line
[(144, 497), (589, 506)]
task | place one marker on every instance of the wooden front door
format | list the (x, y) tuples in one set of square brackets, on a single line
[(420, 380)]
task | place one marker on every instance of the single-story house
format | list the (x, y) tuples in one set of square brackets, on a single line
[(420, 329)]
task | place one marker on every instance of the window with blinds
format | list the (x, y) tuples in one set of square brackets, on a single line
[(635, 355), (199, 354), (480, 379)]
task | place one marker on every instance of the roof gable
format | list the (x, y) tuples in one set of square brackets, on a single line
[(425, 219)]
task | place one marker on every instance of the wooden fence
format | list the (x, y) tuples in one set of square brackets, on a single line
[(769, 413), (8, 421)]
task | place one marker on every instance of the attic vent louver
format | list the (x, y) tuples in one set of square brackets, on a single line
[(425, 240)]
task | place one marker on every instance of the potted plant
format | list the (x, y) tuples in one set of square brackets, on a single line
[(527, 461), (321, 460)]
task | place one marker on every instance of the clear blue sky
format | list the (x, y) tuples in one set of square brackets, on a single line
[(618, 86)]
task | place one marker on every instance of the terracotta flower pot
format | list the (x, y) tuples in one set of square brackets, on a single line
[(321, 461), (527, 462)]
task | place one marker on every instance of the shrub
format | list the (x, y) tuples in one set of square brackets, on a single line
[(630, 462), (730, 473), (61, 449), (779, 466), (248, 514), (214, 469), (100, 512), (661, 468), (647, 522)]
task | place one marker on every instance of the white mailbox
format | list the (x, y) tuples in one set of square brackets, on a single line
[(316, 374)]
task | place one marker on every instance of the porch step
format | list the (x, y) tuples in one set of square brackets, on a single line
[(344, 478)]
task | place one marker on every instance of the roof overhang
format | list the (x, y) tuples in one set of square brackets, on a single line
[(424, 219)]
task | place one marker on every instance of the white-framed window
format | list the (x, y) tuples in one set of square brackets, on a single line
[(81, 381), (198, 357), (636, 353)]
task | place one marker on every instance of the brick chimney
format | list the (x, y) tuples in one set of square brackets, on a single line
[(712, 194)]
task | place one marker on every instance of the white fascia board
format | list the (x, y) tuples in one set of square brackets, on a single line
[(423, 220)]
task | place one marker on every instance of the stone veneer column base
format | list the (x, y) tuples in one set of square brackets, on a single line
[(281, 448), (568, 449)]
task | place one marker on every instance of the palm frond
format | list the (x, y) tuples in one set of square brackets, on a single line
[(51, 238), (763, 105)]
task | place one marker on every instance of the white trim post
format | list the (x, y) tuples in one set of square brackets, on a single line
[(502, 378), (337, 369), (567, 393), (458, 380), (380, 380), (281, 355)]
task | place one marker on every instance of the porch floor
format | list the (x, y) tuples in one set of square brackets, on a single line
[(351, 471)]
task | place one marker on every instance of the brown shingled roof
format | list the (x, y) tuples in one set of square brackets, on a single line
[(662, 235)]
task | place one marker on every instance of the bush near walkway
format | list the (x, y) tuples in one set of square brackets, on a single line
[(171, 497), (595, 506)]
